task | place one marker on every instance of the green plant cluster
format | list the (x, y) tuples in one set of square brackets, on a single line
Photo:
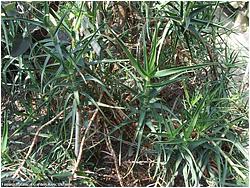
[(168, 85)]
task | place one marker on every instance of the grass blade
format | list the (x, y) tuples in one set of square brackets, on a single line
[(134, 62)]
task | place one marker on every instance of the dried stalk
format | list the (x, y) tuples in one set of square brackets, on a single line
[(34, 142), (108, 142)]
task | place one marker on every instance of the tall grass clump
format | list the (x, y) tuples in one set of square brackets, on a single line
[(121, 94)]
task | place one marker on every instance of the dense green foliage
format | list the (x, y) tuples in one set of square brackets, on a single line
[(170, 109)]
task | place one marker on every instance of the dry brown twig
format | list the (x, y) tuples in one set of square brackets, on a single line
[(108, 142), (34, 142)]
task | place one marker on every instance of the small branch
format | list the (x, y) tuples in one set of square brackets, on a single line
[(34, 142), (83, 140), (108, 142)]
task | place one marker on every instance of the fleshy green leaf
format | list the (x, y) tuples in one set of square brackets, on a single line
[(62, 175), (20, 45), (176, 70), (10, 9)]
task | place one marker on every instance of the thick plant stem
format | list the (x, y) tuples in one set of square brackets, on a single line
[(147, 91), (77, 132), (83, 140)]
